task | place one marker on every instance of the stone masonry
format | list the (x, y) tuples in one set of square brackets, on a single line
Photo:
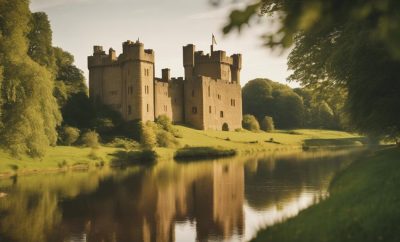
[(208, 97)]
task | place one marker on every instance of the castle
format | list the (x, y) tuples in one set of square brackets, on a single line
[(208, 97)]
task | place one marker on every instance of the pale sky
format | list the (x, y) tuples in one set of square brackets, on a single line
[(162, 25)]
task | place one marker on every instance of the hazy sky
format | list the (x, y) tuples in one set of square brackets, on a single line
[(162, 25)]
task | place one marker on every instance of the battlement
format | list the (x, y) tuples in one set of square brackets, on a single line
[(131, 51)]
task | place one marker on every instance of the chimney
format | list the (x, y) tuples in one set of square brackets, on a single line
[(166, 76)]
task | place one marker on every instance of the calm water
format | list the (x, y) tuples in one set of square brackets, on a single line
[(225, 200)]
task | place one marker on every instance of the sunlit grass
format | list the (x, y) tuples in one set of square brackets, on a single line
[(65, 157)]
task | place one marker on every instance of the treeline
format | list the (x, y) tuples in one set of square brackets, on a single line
[(41, 90), (294, 108)]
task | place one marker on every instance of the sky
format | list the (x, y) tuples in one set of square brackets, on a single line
[(162, 25)]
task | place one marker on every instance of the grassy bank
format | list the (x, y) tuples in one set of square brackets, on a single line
[(62, 157), (363, 206)]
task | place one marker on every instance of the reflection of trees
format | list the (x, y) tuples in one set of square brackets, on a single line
[(277, 180), (28, 216)]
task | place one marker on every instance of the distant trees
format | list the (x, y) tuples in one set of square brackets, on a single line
[(263, 97)]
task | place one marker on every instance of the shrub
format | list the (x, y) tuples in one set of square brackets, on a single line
[(104, 125), (164, 123), (250, 123), (166, 139), (267, 124), (194, 153), (70, 135), (91, 139), (124, 143), (147, 135)]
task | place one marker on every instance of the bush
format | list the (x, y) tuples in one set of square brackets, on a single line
[(194, 153), (267, 124), (164, 123), (104, 125), (91, 139), (250, 123), (124, 143), (147, 136), (70, 135), (166, 139)]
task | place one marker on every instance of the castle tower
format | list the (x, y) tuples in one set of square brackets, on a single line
[(126, 83)]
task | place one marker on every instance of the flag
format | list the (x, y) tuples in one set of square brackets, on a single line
[(214, 42)]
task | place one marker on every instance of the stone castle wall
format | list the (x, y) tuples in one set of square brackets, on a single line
[(209, 97)]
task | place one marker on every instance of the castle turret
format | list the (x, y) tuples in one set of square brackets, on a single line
[(236, 67), (166, 74), (188, 60)]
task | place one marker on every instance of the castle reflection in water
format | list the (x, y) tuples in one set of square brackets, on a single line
[(207, 201)]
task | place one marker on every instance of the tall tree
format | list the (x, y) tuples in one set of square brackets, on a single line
[(353, 45), (30, 111), (40, 40)]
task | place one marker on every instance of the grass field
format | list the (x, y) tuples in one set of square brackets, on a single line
[(62, 157), (363, 206)]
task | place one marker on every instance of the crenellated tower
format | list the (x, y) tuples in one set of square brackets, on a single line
[(126, 82)]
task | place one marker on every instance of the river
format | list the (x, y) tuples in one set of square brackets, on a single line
[(219, 200)]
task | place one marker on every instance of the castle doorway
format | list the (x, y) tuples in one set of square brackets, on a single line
[(225, 127)]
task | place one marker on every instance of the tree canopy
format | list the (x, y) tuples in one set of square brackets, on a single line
[(353, 46), (29, 110)]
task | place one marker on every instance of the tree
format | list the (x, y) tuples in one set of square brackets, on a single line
[(40, 40), (267, 124), (263, 97), (351, 45), (30, 111), (250, 123)]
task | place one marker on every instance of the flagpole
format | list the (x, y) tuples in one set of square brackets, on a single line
[(212, 43)]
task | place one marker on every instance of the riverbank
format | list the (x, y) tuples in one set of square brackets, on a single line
[(244, 142), (363, 206)]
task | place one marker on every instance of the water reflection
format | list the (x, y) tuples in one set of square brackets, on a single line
[(204, 201)]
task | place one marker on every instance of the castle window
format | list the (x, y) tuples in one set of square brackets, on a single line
[(219, 97), (129, 110), (221, 114), (209, 109), (233, 102), (174, 100), (209, 91), (192, 93), (147, 107), (194, 110), (113, 93)]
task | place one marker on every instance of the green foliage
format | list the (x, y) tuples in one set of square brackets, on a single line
[(267, 124), (263, 97), (166, 139), (345, 45), (91, 139), (70, 135), (250, 123), (30, 111), (147, 136), (127, 144), (40, 40), (164, 122)]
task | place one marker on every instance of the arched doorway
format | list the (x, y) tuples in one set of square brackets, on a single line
[(225, 127)]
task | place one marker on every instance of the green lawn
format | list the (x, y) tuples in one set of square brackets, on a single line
[(363, 206), (63, 157)]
